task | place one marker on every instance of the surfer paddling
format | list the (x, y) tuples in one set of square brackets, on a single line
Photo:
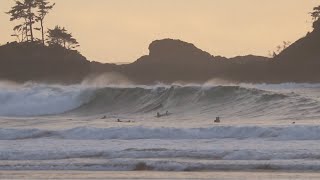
[(217, 120), (118, 120), (162, 115)]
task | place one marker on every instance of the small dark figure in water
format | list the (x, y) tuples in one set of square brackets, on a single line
[(118, 120), (158, 114), (293, 122), (104, 117), (217, 120)]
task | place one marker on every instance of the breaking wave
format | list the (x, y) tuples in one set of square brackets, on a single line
[(302, 132), (70, 134), (230, 101)]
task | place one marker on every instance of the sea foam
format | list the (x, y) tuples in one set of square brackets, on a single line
[(294, 132)]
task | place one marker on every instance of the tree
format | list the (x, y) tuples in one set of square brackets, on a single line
[(43, 9), (24, 10), (18, 31), (30, 5), (316, 17), (316, 13), (280, 48), (18, 12), (60, 37)]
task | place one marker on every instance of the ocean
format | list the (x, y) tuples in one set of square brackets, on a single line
[(96, 127)]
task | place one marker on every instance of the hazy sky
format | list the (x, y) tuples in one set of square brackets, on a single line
[(121, 30)]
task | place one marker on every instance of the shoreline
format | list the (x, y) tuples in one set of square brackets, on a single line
[(221, 175)]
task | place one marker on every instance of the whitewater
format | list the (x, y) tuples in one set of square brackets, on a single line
[(114, 127)]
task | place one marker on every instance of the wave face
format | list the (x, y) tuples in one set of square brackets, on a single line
[(286, 101)]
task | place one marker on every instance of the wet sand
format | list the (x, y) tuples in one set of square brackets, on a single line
[(123, 175)]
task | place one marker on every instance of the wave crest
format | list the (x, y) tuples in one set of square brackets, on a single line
[(229, 101)]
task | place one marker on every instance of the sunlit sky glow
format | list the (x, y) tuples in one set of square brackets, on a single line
[(121, 30)]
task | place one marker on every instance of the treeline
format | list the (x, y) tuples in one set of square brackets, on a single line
[(315, 15), (28, 14)]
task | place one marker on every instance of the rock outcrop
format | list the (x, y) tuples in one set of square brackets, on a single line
[(23, 62), (168, 61)]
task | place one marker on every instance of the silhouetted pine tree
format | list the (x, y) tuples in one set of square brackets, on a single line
[(29, 11), (18, 12), (316, 16), (24, 10), (60, 37), (43, 9)]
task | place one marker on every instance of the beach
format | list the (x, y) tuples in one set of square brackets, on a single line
[(158, 175)]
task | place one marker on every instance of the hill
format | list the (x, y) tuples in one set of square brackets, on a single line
[(23, 62), (168, 61), (300, 62), (172, 60)]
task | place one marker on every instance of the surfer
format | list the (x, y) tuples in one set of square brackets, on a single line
[(164, 114), (217, 120), (118, 120)]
